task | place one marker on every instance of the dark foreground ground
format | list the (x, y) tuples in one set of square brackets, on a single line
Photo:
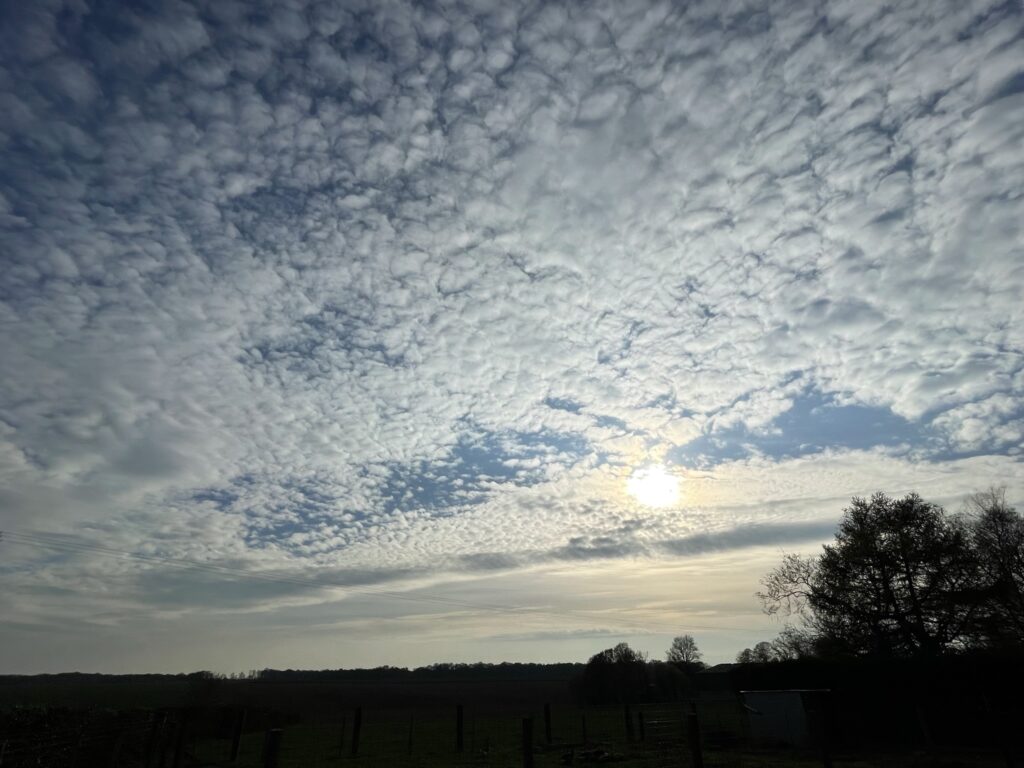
[(505, 721)]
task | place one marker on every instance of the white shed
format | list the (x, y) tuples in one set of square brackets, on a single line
[(781, 717)]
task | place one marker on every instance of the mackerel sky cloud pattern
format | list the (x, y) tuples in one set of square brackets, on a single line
[(399, 294)]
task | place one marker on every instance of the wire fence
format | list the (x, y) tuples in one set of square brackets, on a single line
[(711, 732), (95, 739)]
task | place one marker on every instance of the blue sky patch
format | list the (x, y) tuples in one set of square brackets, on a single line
[(813, 423), (514, 458)]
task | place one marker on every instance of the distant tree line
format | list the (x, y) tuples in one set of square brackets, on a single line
[(432, 672), (903, 579), (622, 674)]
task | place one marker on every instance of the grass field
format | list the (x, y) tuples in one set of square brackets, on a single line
[(404, 724), (428, 740)]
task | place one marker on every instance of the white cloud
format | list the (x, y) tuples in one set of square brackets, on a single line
[(270, 279)]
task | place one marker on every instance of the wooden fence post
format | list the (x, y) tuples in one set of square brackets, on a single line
[(179, 742), (115, 750), (693, 737), (357, 726), (547, 723), (236, 735), (272, 747), (458, 728), (583, 718), (408, 746), (152, 739), (527, 742), (341, 739), (165, 737), (628, 714)]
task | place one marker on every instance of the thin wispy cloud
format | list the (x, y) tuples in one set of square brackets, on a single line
[(402, 293)]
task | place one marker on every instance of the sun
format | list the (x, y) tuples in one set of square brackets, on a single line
[(653, 486)]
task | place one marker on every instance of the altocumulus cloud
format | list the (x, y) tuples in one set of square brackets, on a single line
[(389, 291)]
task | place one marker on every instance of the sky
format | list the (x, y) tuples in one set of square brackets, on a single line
[(332, 333)]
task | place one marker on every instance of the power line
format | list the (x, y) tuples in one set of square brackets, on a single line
[(38, 539)]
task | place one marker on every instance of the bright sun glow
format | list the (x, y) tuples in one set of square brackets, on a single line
[(654, 486)]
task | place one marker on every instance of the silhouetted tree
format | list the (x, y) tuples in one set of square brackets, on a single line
[(684, 651), (616, 674), (794, 643), (900, 579), (761, 653), (621, 655), (998, 539)]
